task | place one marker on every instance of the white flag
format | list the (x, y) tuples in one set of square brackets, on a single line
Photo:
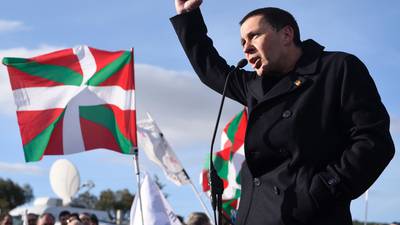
[(153, 142), (156, 209)]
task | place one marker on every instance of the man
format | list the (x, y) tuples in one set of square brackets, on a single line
[(317, 134), (74, 221), (32, 218), (94, 220), (198, 218), (84, 218), (63, 216), (46, 219), (6, 219)]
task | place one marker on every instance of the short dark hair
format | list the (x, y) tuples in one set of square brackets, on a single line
[(94, 219), (278, 19), (47, 214), (63, 213), (198, 218), (76, 215)]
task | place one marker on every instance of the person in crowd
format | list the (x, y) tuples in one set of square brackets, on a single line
[(6, 219), (94, 220), (74, 221), (63, 216), (73, 216), (32, 218), (198, 218), (46, 219), (84, 217)]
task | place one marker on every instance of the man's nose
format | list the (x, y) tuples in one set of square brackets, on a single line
[(248, 48)]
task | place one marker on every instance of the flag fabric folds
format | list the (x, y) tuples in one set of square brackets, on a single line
[(153, 142), (228, 163), (156, 209), (74, 100)]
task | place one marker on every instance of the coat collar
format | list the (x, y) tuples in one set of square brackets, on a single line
[(307, 65), (308, 62)]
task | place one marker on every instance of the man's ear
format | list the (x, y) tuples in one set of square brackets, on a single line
[(287, 35)]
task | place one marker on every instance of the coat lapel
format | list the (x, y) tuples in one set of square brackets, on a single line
[(286, 85)]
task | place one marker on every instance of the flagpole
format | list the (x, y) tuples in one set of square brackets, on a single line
[(137, 171), (366, 208), (196, 192), (135, 151), (190, 181)]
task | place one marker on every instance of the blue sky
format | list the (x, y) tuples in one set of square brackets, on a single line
[(167, 87)]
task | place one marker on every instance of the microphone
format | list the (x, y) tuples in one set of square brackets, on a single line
[(242, 63), (216, 184)]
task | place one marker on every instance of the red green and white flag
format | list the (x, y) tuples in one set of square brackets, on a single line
[(228, 163), (74, 100)]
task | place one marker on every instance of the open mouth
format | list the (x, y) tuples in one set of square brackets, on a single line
[(255, 62)]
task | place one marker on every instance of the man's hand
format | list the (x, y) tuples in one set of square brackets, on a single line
[(186, 5)]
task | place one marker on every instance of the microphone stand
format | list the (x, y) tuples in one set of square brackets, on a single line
[(216, 184)]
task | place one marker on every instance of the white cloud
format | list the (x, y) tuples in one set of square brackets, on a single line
[(395, 125), (21, 168), (183, 107), (10, 25)]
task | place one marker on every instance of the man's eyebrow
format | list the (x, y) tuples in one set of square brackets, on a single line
[(242, 41)]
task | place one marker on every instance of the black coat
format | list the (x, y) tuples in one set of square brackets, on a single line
[(316, 139)]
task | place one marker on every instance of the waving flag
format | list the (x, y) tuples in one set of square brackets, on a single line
[(155, 208), (228, 163), (153, 142), (74, 100)]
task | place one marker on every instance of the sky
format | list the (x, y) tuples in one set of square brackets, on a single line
[(167, 87)]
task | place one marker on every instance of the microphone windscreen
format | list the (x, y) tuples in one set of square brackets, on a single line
[(242, 63)]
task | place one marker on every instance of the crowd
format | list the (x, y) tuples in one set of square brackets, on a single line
[(65, 218)]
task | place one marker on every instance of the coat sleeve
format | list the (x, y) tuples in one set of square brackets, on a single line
[(211, 68), (370, 147)]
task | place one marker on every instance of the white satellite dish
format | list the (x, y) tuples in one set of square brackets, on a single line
[(64, 180)]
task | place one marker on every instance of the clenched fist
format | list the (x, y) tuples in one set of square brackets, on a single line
[(186, 5)]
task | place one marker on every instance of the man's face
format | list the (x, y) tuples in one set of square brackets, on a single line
[(63, 219), (85, 219), (7, 220), (46, 220), (262, 45), (32, 219)]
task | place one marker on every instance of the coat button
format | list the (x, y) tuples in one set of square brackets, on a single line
[(286, 114), (277, 191), (257, 181), (332, 181)]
